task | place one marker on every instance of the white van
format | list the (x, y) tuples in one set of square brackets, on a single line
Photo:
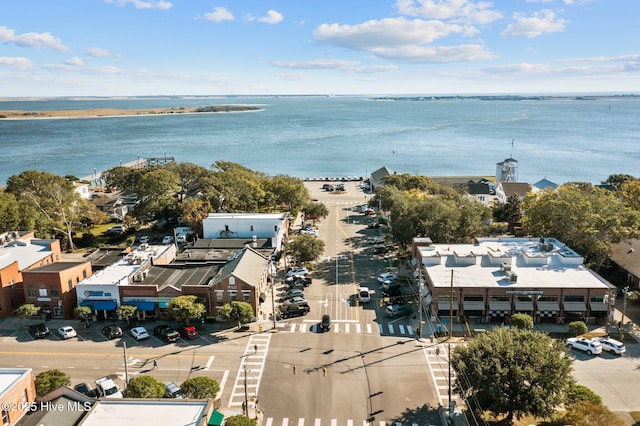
[(364, 295)]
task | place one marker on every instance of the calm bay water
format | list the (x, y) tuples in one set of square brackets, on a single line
[(560, 139)]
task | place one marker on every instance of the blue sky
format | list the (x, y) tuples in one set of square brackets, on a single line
[(213, 47)]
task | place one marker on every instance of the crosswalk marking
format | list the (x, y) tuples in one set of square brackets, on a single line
[(349, 422), (348, 327), (301, 421), (285, 421), (269, 422), (358, 329), (317, 422)]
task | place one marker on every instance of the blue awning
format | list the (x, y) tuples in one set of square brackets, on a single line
[(142, 306), (100, 305)]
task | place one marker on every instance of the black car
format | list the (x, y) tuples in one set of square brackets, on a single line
[(84, 389), (39, 331), (292, 311), (112, 331), (167, 333)]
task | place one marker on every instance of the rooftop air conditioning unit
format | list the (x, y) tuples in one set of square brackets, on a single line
[(505, 267), (513, 277)]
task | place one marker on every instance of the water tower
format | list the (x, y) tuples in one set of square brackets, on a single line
[(507, 170)]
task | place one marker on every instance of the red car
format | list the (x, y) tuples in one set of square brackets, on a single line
[(188, 331)]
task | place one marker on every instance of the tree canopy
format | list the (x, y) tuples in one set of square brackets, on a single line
[(304, 248), (186, 307), (240, 420), (200, 388), (50, 380), (513, 371), (145, 387), (240, 312), (26, 311)]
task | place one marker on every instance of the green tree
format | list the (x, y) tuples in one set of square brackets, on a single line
[(576, 328), (9, 212), (83, 312), (510, 212), (126, 312), (188, 175), (630, 192), (523, 321), (145, 387), (200, 388), (193, 211), (586, 413), (186, 307), (288, 191), (513, 371), (304, 248), (579, 393), (618, 180), (240, 420), (26, 311), (315, 211), (233, 188), (155, 190), (586, 218), (50, 380), (59, 207), (240, 312)]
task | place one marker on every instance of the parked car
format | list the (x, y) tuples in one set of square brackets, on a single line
[(305, 281), (370, 212), (144, 239), (114, 230), (373, 225), (39, 331), (393, 290), (380, 249), (387, 276), (139, 333), (171, 390), (188, 332), (611, 345), (291, 311), (294, 292), (325, 323), (296, 301), (167, 239), (297, 271), (108, 388), (589, 346), (112, 331), (67, 332), (397, 311), (84, 389), (167, 333)]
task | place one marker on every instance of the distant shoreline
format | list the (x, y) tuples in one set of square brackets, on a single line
[(114, 112)]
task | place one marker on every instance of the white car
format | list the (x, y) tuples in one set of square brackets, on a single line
[(67, 332), (611, 345), (143, 239), (296, 301), (364, 295), (167, 239), (591, 347), (139, 333), (387, 276), (297, 271)]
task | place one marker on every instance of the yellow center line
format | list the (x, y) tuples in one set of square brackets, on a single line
[(350, 246)]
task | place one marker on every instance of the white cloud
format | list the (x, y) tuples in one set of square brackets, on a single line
[(458, 10), (34, 40), (18, 63), (543, 22), (386, 32), (74, 62), (316, 64), (272, 17), (436, 54), (219, 14), (98, 52), (296, 76), (143, 4)]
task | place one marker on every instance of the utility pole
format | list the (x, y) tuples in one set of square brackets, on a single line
[(420, 290), (245, 407), (126, 370), (624, 309), (274, 274), (451, 403)]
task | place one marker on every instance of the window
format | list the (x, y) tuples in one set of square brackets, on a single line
[(84, 274), (548, 298), (31, 290), (24, 395), (504, 298), (573, 298), (523, 298), (232, 295), (246, 296), (70, 284), (599, 298), (219, 296), (447, 297), (473, 298), (54, 291)]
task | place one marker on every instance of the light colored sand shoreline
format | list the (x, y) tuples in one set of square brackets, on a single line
[(106, 112)]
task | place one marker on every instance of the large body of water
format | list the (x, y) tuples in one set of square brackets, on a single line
[(561, 139)]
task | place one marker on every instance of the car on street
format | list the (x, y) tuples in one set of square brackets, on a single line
[(67, 332), (144, 239), (167, 333), (112, 331), (589, 346), (325, 323), (380, 249), (297, 271), (188, 332), (84, 389), (294, 292), (167, 239), (397, 311), (364, 295), (370, 212), (394, 290), (139, 333), (108, 388), (292, 311), (296, 301), (39, 331), (611, 345), (305, 281), (387, 276)]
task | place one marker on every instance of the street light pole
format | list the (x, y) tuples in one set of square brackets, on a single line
[(245, 407), (273, 290), (624, 309)]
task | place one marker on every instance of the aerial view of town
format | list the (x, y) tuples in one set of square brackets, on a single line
[(418, 213)]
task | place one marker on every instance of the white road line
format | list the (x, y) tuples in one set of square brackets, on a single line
[(358, 328), (301, 421), (269, 422), (369, 330), (303, 328), (317, 422), (346, 328), (211, 358)]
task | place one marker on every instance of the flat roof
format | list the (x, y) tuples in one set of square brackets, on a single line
[(56, 266), (125, 267), (26, 252), (8, 376), (130, 412), (551, 266), (235, 216), (164, 276)]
